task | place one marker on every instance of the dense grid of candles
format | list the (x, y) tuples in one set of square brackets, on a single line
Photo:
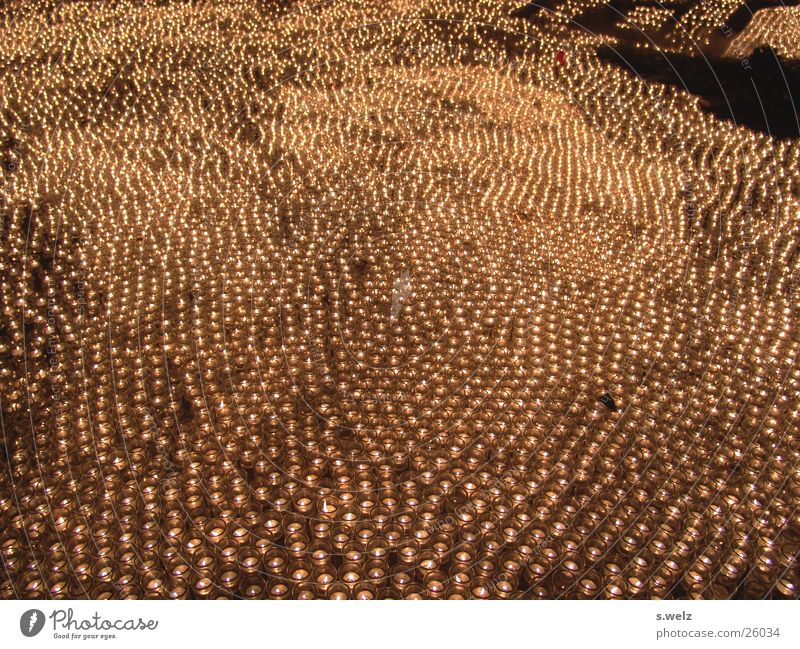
[(385, 300), (779, 28)]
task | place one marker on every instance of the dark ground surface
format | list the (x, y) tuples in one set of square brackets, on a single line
[(761, 92)]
